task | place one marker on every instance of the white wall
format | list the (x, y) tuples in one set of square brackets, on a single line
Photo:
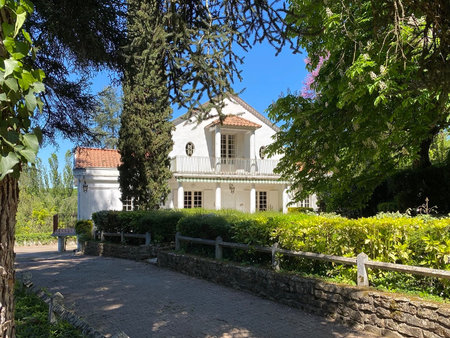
[(103, 191), (203, 139)]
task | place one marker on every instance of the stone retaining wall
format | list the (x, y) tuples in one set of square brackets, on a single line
[(364, 308), (122, 251)]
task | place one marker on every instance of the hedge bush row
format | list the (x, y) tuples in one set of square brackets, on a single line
[(394, 238)]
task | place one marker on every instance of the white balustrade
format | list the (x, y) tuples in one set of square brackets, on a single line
[(222, 166)]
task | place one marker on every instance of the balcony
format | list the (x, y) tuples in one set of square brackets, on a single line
[(223, 166)]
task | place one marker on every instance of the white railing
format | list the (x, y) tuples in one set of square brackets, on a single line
[(223, 166)]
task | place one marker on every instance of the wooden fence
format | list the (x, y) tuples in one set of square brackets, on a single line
[(101, 235), (362, 261)]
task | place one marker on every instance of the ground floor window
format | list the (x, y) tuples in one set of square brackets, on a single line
[(261, 200), (127, 204), (193, 199), (305, 203)]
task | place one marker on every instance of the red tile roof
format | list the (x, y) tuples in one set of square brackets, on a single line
[(96, 158), (235, 121)]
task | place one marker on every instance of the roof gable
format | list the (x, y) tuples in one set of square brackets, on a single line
[(235, 121), (96, 158), (242, 103)]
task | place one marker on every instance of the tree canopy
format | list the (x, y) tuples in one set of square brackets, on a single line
[(382, 94)]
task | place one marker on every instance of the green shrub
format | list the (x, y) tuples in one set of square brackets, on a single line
[(34, 238), (300, 209), (83, 228), (207, 226), (389, 237), (161, 224)]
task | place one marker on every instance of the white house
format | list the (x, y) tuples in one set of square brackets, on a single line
[(215, 166)]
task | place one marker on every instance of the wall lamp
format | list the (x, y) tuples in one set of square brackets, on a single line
[(85, 186), (232, 188)]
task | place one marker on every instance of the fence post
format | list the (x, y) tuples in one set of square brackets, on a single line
[(219, 250), (56, 299), (122, 237), (148, 238), (361, 260), (275, 260), (177, 241), (102, 236), (55, 222)]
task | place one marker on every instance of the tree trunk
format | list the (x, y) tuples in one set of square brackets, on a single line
[(424, 152), (9, 198)]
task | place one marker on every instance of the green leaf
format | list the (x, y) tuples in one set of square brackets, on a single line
[(30, 101), (27, 36), (38, 87), (7, 163), (20, 19), (10, 65), (31, 141), (3, 97), (28, 5), (12, 84), (29, 154), (7, 28), (2, 3)]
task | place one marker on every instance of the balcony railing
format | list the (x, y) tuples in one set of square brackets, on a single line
[(223, 166)]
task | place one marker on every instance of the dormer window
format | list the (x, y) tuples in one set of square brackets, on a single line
[(190, 148), (262, 152)]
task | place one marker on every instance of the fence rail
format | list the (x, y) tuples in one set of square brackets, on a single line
[(101, 235), (362, 261)]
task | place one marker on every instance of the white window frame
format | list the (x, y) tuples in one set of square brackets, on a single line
[(228, 148)]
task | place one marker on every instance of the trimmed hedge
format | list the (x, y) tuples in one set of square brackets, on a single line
[(161, 224)]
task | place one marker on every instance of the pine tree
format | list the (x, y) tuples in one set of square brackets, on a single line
[(107, 118), (145, 134)]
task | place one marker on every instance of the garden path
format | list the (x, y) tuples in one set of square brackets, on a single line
[(142, 300)]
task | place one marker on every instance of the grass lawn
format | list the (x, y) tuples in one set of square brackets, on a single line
[(31, 317)]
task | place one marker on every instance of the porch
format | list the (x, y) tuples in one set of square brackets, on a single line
[(242, 195)]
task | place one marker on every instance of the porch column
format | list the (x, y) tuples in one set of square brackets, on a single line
[(218, 197), (217, 140), (252, 152), (171, 206), (180, 195), (285, 199), (252, 199)]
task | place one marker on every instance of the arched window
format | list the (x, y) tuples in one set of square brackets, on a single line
[(190, 148), (262, 152)]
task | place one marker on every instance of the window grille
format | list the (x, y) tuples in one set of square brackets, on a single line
[(261, 200), (190, 148), (193, 199)]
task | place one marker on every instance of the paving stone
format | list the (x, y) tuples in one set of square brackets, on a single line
[(121, 297)]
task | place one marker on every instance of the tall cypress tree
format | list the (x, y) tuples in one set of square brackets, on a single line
[(145, 135)]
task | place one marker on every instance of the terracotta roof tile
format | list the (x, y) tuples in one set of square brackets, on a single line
[(96, 158), (235, 121)]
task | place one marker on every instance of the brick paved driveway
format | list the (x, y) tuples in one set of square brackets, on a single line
[(142, 300)]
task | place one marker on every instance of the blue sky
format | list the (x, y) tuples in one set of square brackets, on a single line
[(265, 78)]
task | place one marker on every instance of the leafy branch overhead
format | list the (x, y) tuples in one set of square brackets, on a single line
[(202, 39), (20, 90), (382, 94)]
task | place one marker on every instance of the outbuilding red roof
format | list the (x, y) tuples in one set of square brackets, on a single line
[(96, 158), (236, 121)]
